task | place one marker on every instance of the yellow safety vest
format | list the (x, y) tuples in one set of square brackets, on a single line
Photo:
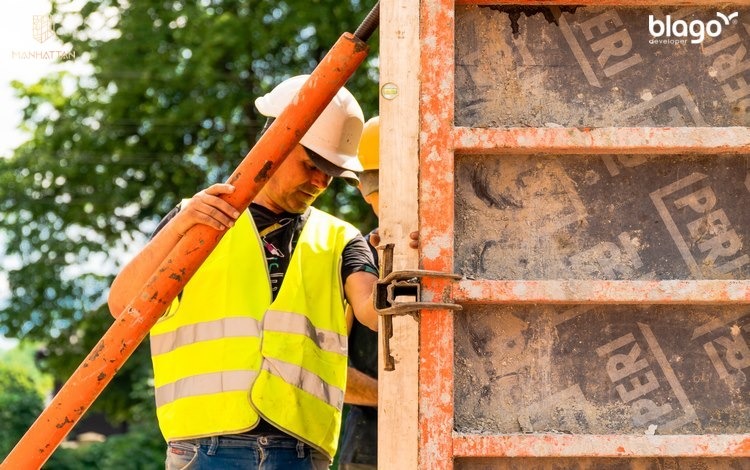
[(225, 355)]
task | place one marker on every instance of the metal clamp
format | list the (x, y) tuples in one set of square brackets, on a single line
[(399, 284)]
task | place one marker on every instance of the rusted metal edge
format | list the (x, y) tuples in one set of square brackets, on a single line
[(651, 140), (621, 3), (603, 292), (592, 445), (436, 227)]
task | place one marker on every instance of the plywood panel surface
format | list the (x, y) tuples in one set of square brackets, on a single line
[(603, 369), (615, 217), (601, 67)]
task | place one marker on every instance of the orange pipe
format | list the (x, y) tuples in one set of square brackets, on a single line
[(134, 323)]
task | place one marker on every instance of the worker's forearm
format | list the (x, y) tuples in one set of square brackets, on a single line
[(369, 316), (134, 275), (361, 389), (359, 289)]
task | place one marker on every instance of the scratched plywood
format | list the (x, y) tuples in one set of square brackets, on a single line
[(601, 67), (613, 217), (662, 369)]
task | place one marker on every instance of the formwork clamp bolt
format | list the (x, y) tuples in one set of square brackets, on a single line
[(405, 284)]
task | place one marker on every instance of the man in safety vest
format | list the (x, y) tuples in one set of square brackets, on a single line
[(250, 361)]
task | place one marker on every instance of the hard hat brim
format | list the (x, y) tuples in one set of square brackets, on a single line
[(332, 170), (369, 182)]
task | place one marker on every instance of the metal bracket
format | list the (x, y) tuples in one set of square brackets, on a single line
[(393, 285)]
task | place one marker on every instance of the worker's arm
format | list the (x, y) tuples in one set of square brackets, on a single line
[(359, 289), (206, 207), (361, 389)]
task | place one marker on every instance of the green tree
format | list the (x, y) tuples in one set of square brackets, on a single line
[(167, 110), (20, 403), (23, 356)]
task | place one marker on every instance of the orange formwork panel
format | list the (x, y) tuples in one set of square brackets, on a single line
[(590, 184)]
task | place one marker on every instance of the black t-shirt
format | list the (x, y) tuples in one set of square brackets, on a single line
[(363, 342), (360, 441)]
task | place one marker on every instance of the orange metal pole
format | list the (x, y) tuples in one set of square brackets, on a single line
[(134, 323)]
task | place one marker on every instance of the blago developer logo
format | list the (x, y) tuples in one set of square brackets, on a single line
[(696, 30)]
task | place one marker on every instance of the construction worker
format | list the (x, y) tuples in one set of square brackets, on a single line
[(250, 361), (360, 430)]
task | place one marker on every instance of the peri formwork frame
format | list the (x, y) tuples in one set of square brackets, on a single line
[(441, 133)]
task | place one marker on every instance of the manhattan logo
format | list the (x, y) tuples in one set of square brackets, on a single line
[(42, 30), (696, 30)]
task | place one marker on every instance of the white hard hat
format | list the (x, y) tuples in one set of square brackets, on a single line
[(335, 134)]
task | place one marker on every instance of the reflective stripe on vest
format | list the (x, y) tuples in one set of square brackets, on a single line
[(301, 325), (205, 384), (204, 331), (240, 380), (224, 355)]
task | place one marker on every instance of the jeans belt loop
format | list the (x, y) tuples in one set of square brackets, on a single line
[(300, 449), (214, 445)]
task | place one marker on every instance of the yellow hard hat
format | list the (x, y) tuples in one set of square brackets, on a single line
[(368, 151)]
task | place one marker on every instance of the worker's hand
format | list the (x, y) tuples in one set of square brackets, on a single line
[(414, 242), (413, 239), (207, 208), (375, 238)]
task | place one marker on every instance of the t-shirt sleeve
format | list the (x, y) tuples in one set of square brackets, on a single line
[(165, 220), (357, 257)]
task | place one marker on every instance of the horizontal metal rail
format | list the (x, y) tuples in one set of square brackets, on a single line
[(594, 445), (594, 3), (602, 292), (590, 141)]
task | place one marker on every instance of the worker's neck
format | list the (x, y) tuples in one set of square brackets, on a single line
[(264, 201)]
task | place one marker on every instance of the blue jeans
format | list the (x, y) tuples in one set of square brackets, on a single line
[(242, 451)]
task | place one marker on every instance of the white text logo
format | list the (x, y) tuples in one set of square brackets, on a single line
[(696, 30)]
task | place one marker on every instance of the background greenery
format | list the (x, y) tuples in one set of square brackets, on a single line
[(21, 399), (167, 110)]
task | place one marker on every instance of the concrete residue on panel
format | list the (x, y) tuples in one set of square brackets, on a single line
[(602, 370), (598, 66), (628, 217)]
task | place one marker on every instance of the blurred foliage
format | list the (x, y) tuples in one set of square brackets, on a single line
[(24, 357), (20, 404), (142, 448), (166, 111), (78, 458)]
